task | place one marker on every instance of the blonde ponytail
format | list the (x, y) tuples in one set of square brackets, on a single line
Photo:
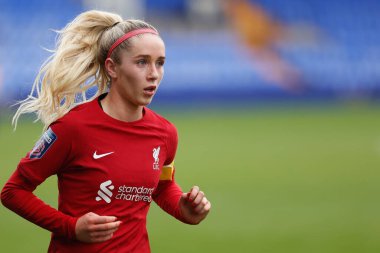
[(73, 68)]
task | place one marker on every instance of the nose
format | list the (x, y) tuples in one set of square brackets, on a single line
[(153, 73)]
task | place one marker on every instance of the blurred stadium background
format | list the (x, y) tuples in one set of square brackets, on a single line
[(277, 107)]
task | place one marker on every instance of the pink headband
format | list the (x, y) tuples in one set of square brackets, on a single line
[(129, 35)]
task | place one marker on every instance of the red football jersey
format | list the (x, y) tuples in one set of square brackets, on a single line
[(105, 166)]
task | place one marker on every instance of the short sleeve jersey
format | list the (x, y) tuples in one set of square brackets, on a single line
[(105, 166)]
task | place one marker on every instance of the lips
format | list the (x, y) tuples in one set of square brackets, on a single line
[(150, 90)]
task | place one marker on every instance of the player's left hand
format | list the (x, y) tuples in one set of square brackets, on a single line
[(194, 205)]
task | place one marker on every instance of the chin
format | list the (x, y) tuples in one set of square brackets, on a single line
[(145, 103)]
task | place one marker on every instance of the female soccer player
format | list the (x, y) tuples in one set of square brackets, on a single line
[(112, 155)]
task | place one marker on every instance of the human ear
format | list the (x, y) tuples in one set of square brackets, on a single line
[(110, 66)]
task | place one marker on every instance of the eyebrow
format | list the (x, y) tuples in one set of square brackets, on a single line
[(149, 56)]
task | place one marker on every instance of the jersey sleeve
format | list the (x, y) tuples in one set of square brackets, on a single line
[(168, 192), (50, 154), (171, 144)]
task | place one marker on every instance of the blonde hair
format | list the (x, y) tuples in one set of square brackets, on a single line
[(76, 65)]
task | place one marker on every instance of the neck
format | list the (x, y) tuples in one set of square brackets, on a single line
[(118, 108)]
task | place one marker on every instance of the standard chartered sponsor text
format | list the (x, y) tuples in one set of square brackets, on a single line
[(134, 193)]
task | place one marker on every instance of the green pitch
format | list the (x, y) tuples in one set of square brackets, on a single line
[(290, 180)]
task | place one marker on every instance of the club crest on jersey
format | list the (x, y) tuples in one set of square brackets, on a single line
[(43, 144), (156, 153)]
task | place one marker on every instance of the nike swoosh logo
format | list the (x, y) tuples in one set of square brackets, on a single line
[(96, 156)]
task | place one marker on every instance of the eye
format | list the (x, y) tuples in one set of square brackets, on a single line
[(141, 62), (160, 63)]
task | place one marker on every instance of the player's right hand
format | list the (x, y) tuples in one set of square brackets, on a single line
[(92, 228)]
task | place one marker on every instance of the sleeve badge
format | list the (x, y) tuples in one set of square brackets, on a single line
[(43, 144)]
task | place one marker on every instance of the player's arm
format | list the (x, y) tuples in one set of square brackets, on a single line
[(44, 160), (49, 155), (191, 207), (17, 195)]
